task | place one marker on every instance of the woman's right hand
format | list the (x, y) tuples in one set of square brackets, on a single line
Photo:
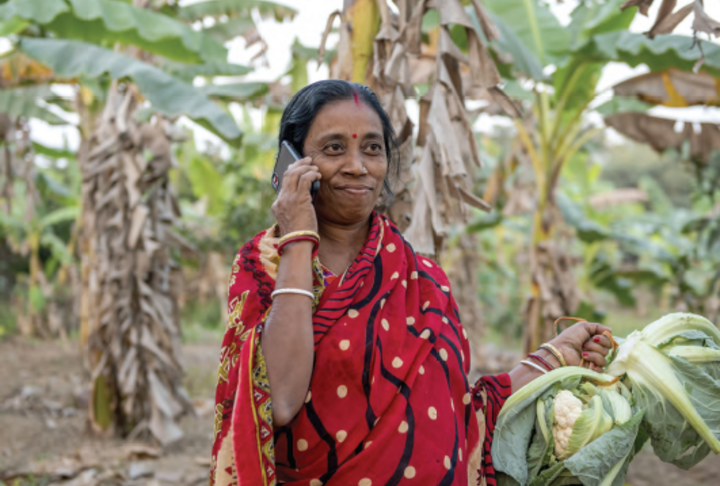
[(293, 208)]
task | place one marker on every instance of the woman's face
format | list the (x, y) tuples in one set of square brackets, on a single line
[(345, 137)]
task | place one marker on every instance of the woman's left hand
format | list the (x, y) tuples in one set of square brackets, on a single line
[(584, 340)]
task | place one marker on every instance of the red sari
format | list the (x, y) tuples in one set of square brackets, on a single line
[(389, 401)]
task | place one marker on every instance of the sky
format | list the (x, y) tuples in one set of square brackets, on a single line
[(309, 24)]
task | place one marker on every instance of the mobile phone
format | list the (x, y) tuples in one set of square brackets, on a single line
[(287, 156)]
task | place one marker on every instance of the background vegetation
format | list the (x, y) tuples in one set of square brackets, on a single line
[(128, 239)]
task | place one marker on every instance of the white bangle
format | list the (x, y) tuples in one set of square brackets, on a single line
[(292, 291), (537, 367)]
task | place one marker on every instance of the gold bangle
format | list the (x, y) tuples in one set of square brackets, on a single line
[(298, 233), (553, 350)]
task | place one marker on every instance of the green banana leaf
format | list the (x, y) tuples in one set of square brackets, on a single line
[(51, 152), (525, 63), (106, 22), (622, 104), (188, 72), (13, 25), (597, 17), (38, 11), (239, 92), (23, 102), (234, 27), (169, 95), (232, 8), (535, 25), (659, 54)]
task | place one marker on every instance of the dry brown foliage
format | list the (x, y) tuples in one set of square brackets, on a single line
[(435, 189), (133, 327), (668, 18), (17, 69), (659, 133), (673, 88)]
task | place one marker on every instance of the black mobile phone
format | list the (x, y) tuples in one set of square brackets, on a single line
[(287, 156)]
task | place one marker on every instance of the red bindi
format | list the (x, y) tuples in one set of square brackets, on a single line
[(354, 135), (357, 101)]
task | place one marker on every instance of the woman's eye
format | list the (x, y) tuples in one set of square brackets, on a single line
[(334, 147), (375, 147)]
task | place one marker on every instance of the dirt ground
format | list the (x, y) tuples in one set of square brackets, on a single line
[(43, 428)]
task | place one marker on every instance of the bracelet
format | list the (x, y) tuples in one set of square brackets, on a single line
[(299, 233), (533, 365), (542, 361), (292, 291), (298, 238), (553, 350)]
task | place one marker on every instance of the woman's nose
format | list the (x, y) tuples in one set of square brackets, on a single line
[(354, 163)]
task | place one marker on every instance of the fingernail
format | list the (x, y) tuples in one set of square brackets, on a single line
[(596, 339), (586, 354)]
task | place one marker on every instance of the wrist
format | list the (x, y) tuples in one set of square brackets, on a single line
[(556, 350), (549, 357), (299, 236), (287, 231), (300, 248)]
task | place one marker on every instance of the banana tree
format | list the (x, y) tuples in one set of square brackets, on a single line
[(38, 209), (131, 65), (37, 308), (430, 52), (555, 130), (669, 250)]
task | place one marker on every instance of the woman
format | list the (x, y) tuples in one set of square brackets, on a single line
[(344, 361)]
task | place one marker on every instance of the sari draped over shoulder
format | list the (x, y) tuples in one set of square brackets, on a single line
[(389, 401)]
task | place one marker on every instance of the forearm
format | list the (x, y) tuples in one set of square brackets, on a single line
[(287, 338), (522, 374)]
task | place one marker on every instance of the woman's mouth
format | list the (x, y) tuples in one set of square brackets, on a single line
[(355, 190)]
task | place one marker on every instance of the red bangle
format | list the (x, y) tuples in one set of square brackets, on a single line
[(299, 238), (542, 361)]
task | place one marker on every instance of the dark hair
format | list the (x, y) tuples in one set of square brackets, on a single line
[(307, 103)]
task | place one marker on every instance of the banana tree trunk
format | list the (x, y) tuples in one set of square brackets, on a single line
[(553, 293), (361, 21), (461, 262), (130, 318), (87, 237)]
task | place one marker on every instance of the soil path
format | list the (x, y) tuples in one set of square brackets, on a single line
[(43, 426)]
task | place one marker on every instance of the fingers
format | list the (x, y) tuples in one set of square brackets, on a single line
[(595, 358), (601, 340), (590, 346), (596, 349), (585, 338), (295, 171), (299, 163), (308, 178), (595, 329)]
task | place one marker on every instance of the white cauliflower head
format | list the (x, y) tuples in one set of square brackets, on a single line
[(567, 410)]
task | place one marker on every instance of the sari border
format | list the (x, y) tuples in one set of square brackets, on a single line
[(258, 442)]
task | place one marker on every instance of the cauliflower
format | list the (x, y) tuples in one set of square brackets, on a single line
[(567, 410)]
